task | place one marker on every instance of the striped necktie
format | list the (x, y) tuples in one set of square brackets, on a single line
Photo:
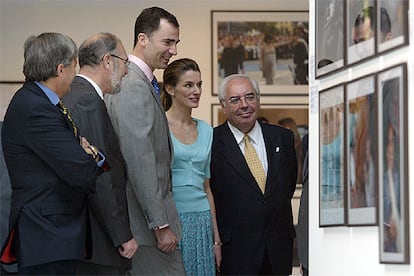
[(254, 163), (65, 112), (156, 86)]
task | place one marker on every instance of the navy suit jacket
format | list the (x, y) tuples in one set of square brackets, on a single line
[(108, 209), (248, 220), (51, 176)]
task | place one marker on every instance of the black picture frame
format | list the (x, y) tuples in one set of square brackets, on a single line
[(248, 29), (393, 165), (332, 194), (360, 43), (329, 36), (361, 151), (392, 24)]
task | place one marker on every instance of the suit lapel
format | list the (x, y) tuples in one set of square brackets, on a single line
[(273, 149), (232, 153)]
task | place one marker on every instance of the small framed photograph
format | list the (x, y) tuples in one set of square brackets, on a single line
[(361, 26), (393, 165), (361, 151), (392, 22), (271, 47), (330, 33), (332, 157)]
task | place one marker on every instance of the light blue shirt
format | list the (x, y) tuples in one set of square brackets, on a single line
[(191, 167), (54, 99)]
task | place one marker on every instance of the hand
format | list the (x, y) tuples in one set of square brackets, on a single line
[(167, 240), (128, 249), (217, 254), (85, 145)]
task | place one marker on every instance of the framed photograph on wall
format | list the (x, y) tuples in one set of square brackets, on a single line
[(361, 151), (361, 26), (393, 165), (271, 113), (332, 157), (392, 22), (330, 33), (269, 46)]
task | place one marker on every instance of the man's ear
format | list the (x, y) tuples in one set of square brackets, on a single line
[(142, 39)]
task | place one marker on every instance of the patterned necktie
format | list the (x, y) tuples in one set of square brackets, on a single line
[(67, 115), (156, 86), (254, 163)]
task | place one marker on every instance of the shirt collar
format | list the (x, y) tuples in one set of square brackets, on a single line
[(52, 96), (97, 88), (142, 65), (254, 134)]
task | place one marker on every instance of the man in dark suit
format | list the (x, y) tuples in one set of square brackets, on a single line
[(52, 169), (254, 213), (103, 62)]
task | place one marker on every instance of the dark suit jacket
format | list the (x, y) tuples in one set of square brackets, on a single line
[(108, 205), (248, 221), (50, 175), (5, 198)]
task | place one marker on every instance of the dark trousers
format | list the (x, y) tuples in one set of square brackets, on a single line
[(66, 267)]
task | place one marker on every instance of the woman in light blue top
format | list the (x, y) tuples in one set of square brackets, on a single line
[(192, 140)]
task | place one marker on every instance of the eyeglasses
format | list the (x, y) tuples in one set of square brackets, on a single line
[(126, 61), (249, 97)]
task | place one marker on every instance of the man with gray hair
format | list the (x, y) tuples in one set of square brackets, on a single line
[(103, 62), (52, 168), (253, 178)]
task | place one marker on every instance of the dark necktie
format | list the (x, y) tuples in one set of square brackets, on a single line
[(67, 115), (156, 86)]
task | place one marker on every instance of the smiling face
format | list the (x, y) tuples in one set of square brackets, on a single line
[(242, 114), (187, 92), (160, 46)]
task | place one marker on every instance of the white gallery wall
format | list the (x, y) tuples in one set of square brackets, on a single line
[(333, 251), (344, 251)]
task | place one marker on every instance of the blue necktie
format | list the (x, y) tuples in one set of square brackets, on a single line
[(156, 87)]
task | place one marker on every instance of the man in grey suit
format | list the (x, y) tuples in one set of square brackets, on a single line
[(103, 62), (140, 122)]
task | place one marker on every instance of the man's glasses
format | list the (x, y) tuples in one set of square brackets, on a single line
[(126, 61), (250, 97)]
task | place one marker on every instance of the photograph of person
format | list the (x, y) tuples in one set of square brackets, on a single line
[(268, 46), (361, 30), (331, 127), (329, 36), (392, 166), (393, 24), (362, 131)]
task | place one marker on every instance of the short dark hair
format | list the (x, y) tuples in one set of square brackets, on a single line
[(368, 12), (148, 21)]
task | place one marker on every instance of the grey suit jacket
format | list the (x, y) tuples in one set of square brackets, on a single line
[(140, 122), (108, 210)]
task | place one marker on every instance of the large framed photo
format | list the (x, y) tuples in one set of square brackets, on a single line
[(393, 165), (332, 158), (361, 151), (392, 22), (329, 42), (271, 47), (361, 26)]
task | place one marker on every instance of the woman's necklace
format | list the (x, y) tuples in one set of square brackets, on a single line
[(186, 134)]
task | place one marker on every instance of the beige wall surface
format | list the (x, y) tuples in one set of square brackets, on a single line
[(82, 18)]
